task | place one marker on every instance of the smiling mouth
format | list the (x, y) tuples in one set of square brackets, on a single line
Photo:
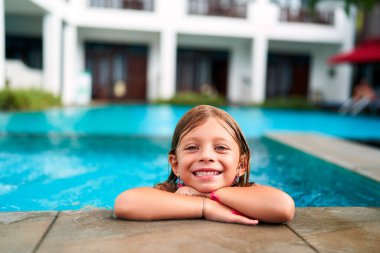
[(207, 173)]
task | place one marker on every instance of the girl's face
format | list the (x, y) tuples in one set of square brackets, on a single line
[(207, 157)]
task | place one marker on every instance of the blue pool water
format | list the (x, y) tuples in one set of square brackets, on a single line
[(154, 120), (82, 158)]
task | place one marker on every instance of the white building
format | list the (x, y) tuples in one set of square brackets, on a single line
[(148, 49)]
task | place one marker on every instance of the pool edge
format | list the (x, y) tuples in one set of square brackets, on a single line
[(322, 229), (352, 156)]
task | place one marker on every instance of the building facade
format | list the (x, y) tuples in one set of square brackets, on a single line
[(144, 50)]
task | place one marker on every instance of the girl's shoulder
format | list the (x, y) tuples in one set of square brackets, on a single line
[(246, 185)]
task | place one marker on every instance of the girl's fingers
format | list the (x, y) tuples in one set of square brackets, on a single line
[(188, 191), (251, 222), (245, 220), (218, 212), (240, 218)]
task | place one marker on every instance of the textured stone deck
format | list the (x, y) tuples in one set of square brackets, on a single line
[(312, 230)]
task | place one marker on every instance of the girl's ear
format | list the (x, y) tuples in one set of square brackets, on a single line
[(174, 164), (243, 165)]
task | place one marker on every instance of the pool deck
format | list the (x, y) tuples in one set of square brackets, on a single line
[(335, 229), (359, 158)]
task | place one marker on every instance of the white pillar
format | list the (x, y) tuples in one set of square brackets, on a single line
[(233, 86), (153, 69), (348, 26), (70, 70), (52, 30), (2, 45), (168, 54), (169, 12), (259, 68)]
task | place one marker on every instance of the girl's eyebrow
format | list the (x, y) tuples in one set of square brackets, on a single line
[(194, 138)]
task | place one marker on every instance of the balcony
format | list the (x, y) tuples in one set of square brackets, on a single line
[(143, 5), (304, 15), (221, 8)]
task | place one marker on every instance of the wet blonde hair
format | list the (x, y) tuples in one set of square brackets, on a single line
[(196, 117)]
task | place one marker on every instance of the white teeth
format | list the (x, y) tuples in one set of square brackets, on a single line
[(206, 173)]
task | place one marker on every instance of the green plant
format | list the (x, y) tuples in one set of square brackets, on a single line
[(192, 98), (27, 99), (287, 103)]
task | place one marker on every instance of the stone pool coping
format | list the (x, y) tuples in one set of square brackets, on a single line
[(333, 229), (359, 158), (354, 229)]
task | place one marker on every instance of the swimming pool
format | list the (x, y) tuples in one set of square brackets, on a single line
[(160, 120), (70, 159)]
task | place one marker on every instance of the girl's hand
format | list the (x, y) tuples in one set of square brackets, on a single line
[(189, 191), (218, 212)]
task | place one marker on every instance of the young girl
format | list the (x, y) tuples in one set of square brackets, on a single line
[(210, 162)]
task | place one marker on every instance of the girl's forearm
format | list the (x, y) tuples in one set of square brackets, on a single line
[(154, 204), (264, 203)]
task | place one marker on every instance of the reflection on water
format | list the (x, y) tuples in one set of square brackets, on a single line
[(160, 120)]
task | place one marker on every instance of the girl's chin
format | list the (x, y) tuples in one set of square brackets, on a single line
[(209, 186), (208, 189)]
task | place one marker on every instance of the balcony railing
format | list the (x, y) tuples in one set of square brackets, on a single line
[(222, 8), (145, 5), (304, 15)]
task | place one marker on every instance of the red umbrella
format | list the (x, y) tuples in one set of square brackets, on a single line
[(366, 52)]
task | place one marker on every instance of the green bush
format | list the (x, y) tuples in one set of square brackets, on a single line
[(300, 103), (192, 98), (27, 99)]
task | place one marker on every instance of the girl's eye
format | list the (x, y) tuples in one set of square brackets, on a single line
[(191, 147), (221, 148)]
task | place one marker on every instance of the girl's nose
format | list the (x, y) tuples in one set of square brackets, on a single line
[(207, 155)]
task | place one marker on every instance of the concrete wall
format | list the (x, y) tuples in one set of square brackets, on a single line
[(325, 80), (18, 75), (23, 25), (65, 26)]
